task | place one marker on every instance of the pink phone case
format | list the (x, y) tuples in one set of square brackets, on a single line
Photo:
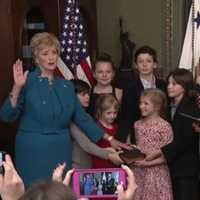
[(97, 183)]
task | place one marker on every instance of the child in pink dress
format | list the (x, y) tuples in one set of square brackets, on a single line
[(152, 132)]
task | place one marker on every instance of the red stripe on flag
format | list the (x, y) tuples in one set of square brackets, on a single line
[(58, 73), (88, 72)]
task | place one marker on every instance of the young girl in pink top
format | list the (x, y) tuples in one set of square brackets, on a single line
[(152, 132)]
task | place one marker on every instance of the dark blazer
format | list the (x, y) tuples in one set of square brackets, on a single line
[(129, 112), (182, 154)]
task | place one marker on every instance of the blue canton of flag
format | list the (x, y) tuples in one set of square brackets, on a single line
[(73, 43)]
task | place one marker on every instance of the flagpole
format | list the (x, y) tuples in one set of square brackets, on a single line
[(197, 73), (74, 45), (193, 16), (59, 17)]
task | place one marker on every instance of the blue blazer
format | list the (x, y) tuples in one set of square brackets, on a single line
[(45, 113)]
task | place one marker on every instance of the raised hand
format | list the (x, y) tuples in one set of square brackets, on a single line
[(11, 185), (129, 193), (18, 74), (58, 174)]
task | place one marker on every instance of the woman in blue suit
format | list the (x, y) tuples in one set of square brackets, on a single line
[(45, 105)]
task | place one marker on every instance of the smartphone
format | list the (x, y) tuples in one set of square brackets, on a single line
[(98, 183), (2, 158)]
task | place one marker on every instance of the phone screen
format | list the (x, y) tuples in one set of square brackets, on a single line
[(99, 183)]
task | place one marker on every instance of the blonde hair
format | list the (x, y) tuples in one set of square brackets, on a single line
[(41, 40), (158, 99), (104, 102)]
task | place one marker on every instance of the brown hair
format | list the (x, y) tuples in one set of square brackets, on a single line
[(104, 102), (104, 57), (80, 86), (146, 50), (158, 98), (48, 191), (184, 78), (41, 40)]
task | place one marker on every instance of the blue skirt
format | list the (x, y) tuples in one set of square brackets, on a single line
[(37, 155)]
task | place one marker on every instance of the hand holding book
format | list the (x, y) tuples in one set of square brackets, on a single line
[(132, 155)]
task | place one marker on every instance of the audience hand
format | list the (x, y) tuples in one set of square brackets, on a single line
[(127, 194), (58, 174), (196, 127), (11, 185)]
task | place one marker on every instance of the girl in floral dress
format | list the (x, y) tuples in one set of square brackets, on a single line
[(152, 132)]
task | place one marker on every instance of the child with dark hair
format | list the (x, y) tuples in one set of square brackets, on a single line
[(81, 86), (81, 143), (182, 153), (145, 63), (104, 72)]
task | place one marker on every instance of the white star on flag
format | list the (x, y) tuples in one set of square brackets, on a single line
[(73, 44)]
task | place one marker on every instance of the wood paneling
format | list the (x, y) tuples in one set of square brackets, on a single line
[(7, 56), (12, 15)]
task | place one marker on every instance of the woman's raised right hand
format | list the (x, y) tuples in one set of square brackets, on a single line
[(18, 74)]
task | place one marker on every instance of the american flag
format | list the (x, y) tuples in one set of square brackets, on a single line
[(74, 46)]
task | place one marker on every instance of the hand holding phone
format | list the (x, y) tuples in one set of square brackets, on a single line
[(127, 193), (12, 186)]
